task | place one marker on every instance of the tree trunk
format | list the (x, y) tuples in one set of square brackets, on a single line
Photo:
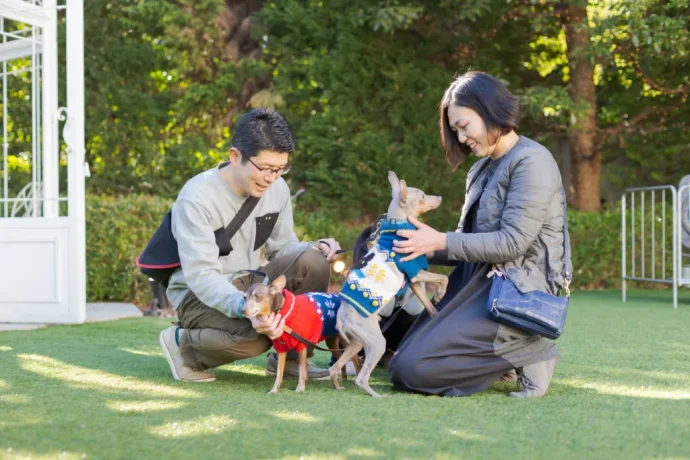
[(236, 22), (585, 159)]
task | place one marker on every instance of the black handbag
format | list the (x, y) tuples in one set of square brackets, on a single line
[(536, 312), (161, 257)]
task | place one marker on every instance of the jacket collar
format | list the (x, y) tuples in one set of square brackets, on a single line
[(476, 182)]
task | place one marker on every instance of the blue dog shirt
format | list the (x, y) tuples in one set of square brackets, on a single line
[(328, 304), (380, 275)]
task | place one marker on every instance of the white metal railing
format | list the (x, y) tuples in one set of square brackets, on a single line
[(683, 235), (649, 244)]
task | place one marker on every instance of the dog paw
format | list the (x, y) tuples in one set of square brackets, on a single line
[(432, 312), (437, 298)]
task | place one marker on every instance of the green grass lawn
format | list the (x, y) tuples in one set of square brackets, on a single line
[(105, 391)]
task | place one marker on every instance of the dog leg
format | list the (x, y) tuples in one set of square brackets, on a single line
[(433, 278), (419, 291), (279, 373), (358, 363), (333, 343), (301, 386), (373, 352), (352, 349)]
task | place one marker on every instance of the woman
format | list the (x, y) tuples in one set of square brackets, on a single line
[(513, 218)]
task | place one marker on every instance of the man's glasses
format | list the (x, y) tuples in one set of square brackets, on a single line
[(278, 172)]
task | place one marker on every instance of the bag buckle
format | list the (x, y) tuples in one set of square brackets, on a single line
[(494, 272), (566, 286)]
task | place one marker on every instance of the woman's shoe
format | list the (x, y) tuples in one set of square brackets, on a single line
[(535, 379)]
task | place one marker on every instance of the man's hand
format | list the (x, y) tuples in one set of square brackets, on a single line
[(329, 247), (271, 325)]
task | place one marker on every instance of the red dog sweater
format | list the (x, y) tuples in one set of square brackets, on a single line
[(304, 317)]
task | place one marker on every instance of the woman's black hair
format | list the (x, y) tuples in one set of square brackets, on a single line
[(487, 96)]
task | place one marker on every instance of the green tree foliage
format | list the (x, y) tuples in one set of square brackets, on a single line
[(639, 71), (360, 81)]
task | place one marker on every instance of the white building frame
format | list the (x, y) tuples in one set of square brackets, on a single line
[(42, 247)]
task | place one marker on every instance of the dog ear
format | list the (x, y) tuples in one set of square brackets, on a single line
[(395, 183), (278, 284), (403, 191), (278, 300)]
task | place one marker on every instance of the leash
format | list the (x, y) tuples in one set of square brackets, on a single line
[(295, 335), (242, 273), (340, 251)]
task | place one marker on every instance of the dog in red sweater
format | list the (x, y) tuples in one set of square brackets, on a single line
[(312, 316)]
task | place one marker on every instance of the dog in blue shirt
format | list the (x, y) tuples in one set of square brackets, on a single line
[(378, 278)]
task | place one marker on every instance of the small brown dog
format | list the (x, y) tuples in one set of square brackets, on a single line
[(312, 316)]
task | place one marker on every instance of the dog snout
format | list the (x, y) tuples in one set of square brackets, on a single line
[(431, 202), (250, 309)]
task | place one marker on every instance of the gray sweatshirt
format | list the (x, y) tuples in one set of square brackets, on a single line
[(207, 203)]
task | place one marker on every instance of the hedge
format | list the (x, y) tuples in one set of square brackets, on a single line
[(119, 227)]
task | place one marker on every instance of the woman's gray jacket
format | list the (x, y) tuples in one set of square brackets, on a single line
[(520, 220)]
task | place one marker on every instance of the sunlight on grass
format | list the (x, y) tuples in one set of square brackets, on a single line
[(15, 399), (315, 457), (143, 406), (196, 427), (5, 348), (4, 385), (364, 452), (98, 380), (23, 422), (155, 354), (27, 454), (468, 435), (245, 369), (630, 391), (627, 374), (408, 442), (291, 416)]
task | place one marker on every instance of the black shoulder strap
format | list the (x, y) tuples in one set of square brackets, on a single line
[(237, 221), (567, 261)]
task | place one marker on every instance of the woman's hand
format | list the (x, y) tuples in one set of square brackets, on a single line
[(419, 242), (271, 325)]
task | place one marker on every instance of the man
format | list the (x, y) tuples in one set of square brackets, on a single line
[(208, 300)]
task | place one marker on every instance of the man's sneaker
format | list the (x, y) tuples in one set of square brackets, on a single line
[(172, 353), (292, 368)]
